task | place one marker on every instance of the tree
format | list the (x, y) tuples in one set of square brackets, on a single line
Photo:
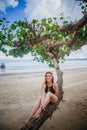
[(47, 41)]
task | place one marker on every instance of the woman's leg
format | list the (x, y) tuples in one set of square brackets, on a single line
[(38, 112), (50, 97), (35, 108)]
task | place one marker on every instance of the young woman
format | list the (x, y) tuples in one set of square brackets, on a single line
[(49, 94)]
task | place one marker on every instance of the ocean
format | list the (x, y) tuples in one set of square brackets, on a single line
[(24, 66)]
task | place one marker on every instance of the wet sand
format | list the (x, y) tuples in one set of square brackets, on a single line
[(19, 92)]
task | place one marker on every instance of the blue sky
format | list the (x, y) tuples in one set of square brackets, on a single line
[(31, 9), (37, 9), (13, 10)]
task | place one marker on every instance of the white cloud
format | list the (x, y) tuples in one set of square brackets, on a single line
[(7, 3), (41, 8), (49, 8)]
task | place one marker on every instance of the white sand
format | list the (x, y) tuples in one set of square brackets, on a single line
[(18, 94)]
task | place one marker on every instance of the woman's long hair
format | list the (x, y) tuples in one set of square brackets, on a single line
[(49, 72)]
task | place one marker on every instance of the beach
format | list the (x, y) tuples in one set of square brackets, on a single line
[(19, 92)]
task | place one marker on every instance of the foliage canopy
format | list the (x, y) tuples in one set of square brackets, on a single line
[(39, 37)]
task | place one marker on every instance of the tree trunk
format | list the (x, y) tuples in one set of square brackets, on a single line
[(59, 78), (35, 124)]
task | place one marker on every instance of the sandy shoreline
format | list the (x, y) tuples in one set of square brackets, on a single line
[(18, 93), (41, 72)]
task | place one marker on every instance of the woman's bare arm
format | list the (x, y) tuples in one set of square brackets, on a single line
[(56, 89), (43, 93), (43, 89)]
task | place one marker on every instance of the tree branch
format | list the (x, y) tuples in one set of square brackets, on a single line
[(72, 27), (50, 55), (82, 43), (30, 42), (41, 39), (51, 46), (30, 27)]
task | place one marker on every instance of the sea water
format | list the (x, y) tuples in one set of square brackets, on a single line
[(24, 66)]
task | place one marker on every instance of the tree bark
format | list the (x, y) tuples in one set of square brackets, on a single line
[(35, 124), (59, 78)]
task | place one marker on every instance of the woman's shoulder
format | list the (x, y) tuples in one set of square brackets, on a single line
[(43, 84), (55, 84)]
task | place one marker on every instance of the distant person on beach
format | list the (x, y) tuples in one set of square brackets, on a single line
[(2, 66), (49, 94)]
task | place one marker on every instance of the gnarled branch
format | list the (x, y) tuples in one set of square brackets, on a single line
[(62, 43), (72, 27)]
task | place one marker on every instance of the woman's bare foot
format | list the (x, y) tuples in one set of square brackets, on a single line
[(28, 120)]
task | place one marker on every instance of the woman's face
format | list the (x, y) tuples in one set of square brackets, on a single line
[(48, 77)]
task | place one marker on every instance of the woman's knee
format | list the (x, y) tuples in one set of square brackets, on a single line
[(54, 99), (49, 94)]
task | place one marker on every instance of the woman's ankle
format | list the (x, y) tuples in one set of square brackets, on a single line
[(36, 116)]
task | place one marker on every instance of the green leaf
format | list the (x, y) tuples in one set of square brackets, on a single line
[(49, 20), (3, 37), (4, 29), (15, 22), (54, 18), (41, 29), (43, 20), (19, 23), (43, 33), (23, 24), (7, 22), (11, 52), (80, 4), (4, 18), (53, 27), (23, 32), (0, 33), (11, 36), (13, 27), (1, 45), (1, 21), (48, 28), (3, 50), (34, 21), (19, 36), (61, 18), (82, 7), (65, 23), (10, 30), (10, 43)]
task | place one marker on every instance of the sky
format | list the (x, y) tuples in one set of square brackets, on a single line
[(15, 10)]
